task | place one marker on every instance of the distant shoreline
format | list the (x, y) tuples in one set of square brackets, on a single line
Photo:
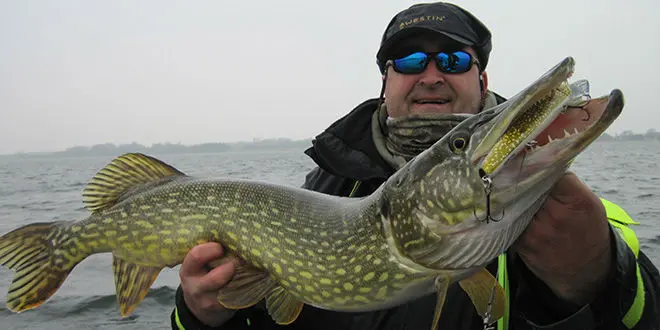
[(109, 149), (650, 135)]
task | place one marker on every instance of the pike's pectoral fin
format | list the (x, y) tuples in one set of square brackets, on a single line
[(250, 285), (479, 288), (247, 287), (441, 285), (283, 307), (132, 283), (125, 173)]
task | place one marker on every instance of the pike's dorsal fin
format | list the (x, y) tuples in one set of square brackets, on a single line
[(247, 287), (480, 288), (441, 285), (123, 173), (132, 283), (283, 307)]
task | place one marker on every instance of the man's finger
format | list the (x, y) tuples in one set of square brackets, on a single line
[(216, 278), (195, 261)]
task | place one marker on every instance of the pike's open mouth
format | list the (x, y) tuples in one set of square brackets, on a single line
[(548, 123)]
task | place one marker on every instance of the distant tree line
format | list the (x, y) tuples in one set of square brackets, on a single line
[(110, 149), (651, 134), (107, 149)]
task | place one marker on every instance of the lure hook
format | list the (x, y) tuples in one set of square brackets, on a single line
[(488, 183)]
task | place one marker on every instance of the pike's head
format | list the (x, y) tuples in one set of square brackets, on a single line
[(471, 194)]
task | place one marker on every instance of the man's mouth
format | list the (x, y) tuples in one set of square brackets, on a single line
[(431, 101)]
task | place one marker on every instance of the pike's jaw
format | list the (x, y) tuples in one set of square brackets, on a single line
[(555, 147), (547, 125), (522, 118), (524, 129)]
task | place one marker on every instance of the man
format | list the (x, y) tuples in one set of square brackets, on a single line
[(569, 270)]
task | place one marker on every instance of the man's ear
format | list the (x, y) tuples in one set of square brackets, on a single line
[(483, 82)]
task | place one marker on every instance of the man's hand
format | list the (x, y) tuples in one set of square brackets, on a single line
[(200, 286), (567, 245)]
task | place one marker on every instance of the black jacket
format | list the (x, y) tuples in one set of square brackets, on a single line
[(345, 153)]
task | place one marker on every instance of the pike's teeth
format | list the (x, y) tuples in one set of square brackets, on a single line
[(549, 138), (566, 133), (576, 130)]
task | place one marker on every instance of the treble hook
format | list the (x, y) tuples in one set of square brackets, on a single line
[(588, 114), (488, 183), (583, 107)]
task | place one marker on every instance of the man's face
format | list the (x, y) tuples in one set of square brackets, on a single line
[(406, 93)]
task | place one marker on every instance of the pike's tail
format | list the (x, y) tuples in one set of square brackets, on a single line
[(40, 266)]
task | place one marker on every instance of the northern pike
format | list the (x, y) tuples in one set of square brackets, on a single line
[(439, 220)]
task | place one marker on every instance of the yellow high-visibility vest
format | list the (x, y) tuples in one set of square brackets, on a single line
[(621, 221)]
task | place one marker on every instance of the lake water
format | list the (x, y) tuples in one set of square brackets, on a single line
[(36, 189)]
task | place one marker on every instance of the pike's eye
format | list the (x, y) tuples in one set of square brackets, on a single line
[(459, 142)]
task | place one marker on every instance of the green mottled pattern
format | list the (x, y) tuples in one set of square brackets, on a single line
[(423, 224), (340, 261)]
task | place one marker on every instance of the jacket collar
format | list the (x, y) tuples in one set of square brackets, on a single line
[(346, 148)]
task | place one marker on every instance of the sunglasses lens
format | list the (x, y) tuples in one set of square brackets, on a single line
[(413, 63), (456, 62)]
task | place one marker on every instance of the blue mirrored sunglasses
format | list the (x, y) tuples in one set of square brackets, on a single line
[(456, 62)]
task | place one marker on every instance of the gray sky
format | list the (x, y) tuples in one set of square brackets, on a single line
[(89, 72)]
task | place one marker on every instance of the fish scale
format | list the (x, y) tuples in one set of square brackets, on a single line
[(319, 259), (426, 228)]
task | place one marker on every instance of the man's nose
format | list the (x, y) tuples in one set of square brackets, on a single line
[(431, 76)]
